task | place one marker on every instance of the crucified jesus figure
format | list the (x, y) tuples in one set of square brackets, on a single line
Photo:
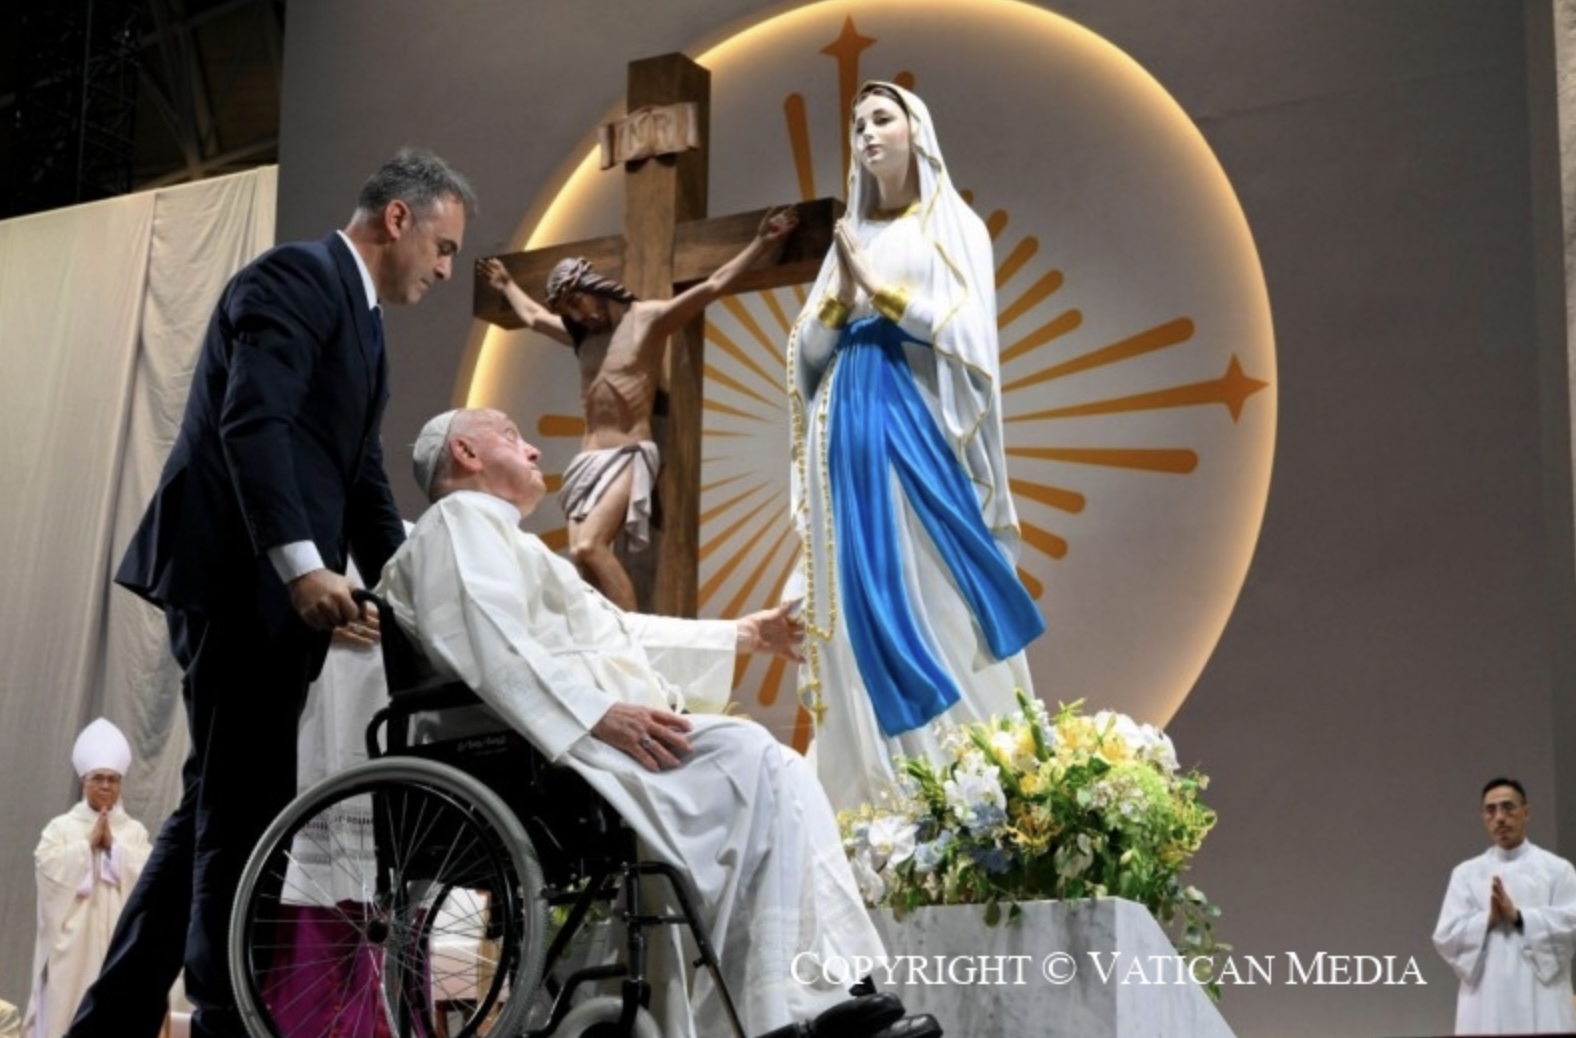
[(618, 341)]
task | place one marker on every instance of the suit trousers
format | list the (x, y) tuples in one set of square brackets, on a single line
[(244, 692)]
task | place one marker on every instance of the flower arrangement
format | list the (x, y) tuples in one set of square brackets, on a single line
[(1033, 806)]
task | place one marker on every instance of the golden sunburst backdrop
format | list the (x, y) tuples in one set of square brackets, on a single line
[(1137, 354)]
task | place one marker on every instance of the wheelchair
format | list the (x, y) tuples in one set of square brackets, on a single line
[(412, 895)]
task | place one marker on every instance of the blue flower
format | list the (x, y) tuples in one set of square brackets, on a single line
[(928, 855), (993, 860)]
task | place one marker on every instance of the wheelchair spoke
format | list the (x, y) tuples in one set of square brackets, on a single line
[(385, 898)]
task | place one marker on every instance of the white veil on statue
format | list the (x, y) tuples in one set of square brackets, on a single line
[(963, 289)]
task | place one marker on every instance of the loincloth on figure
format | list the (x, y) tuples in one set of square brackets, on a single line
[(589, 475)]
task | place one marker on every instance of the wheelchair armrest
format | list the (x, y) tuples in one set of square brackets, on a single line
[(433, 696)]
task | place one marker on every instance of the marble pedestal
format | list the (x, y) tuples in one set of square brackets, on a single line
[(1094, 969)]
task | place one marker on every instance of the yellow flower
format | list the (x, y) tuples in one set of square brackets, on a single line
[(1077, 734), (1033, 829), (1114, 749)]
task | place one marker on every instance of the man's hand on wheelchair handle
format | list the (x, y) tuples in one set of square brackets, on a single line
[(322, 599), (361, 634), (779, 631), (655, 738)]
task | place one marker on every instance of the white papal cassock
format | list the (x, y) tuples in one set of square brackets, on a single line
[(744, 816), (80, 895), (1512, 981)]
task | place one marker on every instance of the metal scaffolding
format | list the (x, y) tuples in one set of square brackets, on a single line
[(76, 103)]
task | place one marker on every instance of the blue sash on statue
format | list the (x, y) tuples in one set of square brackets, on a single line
[(879, 427)]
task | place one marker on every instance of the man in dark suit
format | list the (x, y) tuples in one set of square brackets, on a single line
[(276, 474)]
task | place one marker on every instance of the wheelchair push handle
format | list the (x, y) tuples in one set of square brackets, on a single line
[(400, 660), (361, 596)]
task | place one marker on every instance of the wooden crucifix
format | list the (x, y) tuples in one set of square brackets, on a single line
[(667, 245)]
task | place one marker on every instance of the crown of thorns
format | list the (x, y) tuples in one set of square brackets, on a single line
[(576, 275)]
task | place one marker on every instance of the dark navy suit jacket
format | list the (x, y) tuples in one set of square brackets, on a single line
[(279, 443)]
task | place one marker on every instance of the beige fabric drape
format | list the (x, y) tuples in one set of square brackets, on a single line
[(102, 310)]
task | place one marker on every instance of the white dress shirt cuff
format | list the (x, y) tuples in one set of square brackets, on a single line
[(296, 559)]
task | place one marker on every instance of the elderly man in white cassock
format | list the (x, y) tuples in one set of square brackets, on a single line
[(603, 691), (1508, 927), (86, 863)]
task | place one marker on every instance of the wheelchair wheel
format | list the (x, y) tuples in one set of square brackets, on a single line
[(399, 898), (598, 1018)]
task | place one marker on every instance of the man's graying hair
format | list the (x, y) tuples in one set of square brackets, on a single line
[(418, 178)]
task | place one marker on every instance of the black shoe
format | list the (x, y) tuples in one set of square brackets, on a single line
[(859, 1017), (922, 1026), (799, 1030), (866, 986)]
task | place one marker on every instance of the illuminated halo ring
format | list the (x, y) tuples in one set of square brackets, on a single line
[(1138, 360)]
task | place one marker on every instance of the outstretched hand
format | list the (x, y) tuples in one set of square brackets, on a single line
[(492, 271), (779, 631), (778, 223)]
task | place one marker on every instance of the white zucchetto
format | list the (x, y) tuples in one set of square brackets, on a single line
[(427, 453)]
